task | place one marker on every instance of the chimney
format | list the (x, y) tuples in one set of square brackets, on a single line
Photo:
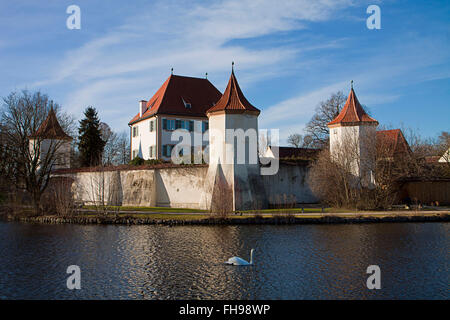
[(142, 107)]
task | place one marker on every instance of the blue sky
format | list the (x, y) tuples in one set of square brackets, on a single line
[(289, 55)]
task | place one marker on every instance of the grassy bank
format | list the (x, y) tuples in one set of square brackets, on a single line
[(146, 209), (206, 219)]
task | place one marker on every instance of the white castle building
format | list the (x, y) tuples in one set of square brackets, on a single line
[(228, 179), (180, 103)]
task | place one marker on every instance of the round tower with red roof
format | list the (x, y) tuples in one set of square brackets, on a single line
[(51, 144), (234, 170), (351, 134)]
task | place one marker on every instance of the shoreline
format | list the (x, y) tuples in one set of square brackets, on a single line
[(258, 220)]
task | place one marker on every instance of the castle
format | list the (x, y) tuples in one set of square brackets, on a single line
[(234, 175)]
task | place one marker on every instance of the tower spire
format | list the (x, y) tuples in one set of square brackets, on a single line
[(232, 66), (351, 84)]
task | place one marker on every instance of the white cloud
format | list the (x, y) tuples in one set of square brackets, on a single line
[(128, 63), (132, 60), (291, 115)]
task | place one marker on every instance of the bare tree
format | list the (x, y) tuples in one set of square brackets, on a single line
[(327, 110), (443, 148), (58, 197), (110, 152), (117, 146), (295, 140), (222, 199), (30, 166), (123, 148), (298, 141), (366, 174)]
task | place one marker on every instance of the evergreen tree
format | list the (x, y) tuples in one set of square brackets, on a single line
[(90, 143)]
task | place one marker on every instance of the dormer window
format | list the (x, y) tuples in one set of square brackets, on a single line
[(187, 105)]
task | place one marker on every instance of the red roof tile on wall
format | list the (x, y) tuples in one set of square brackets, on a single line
[(352, 112), (290, 152), (175, 91), (233, 99)]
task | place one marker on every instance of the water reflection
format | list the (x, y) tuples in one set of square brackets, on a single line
[(158, 262)]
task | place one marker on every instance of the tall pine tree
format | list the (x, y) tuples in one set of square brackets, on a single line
[(90, 142)]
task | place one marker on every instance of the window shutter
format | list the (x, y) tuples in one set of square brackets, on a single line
[(164, 124), (191, 125)]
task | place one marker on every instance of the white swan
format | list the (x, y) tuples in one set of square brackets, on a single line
[(236, 261)]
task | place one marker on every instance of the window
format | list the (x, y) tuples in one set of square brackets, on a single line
[(135, 131), (172, 124), (187, 105), (135, 153), (152, 152), (205, 126), (152, 126), (169, 124), (167, 150)]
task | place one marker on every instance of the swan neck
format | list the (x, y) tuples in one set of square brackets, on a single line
[(251, 257)]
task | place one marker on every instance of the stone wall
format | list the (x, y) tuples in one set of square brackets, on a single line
[(289, 186), (178, 186)]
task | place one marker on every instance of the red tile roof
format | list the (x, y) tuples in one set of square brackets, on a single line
[(393, 141), (233, 99), (51, 129), (432, 159), (352, 113), (175, 92)]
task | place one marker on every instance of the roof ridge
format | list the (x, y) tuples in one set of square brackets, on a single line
[(355, 100)]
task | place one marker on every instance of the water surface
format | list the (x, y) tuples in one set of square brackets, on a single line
[(186, 262)]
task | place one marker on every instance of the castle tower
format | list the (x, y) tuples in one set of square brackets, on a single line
[(50, 137), (234, 174), (352, 138)]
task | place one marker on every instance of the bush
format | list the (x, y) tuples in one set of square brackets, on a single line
[(138, 161), (58, 198), (152, 161)]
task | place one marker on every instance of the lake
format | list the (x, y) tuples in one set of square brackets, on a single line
[(187, 262)]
